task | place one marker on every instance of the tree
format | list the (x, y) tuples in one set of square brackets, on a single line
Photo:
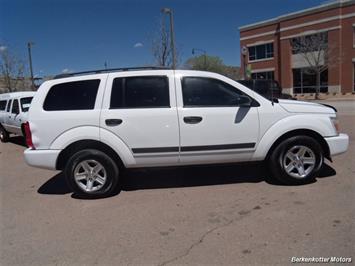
[(161, 46), (213, 64), (11, 69), (317, 53)]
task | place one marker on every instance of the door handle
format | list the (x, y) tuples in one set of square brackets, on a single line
[(192, 119), (113, 122)]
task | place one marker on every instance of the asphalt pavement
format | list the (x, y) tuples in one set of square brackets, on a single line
[(211, 215)]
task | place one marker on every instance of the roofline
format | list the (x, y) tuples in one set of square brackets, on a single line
[(323, 7)]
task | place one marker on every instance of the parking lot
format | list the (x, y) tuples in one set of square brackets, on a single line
[(211, 215)]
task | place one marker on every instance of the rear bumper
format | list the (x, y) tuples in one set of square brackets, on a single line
[(46, 159), (338, 144)]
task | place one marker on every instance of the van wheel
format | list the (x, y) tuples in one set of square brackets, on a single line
[(4, 135), (296, 160), (92, 173)]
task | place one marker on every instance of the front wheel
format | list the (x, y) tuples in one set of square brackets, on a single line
[(92, 173), (296, 160)]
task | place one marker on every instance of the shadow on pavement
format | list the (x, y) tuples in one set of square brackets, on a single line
[(55, 186), (188, 176), (18, 141)]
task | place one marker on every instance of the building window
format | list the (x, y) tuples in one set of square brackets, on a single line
[(309, 43), (261, 51), (305, 81), (263, 75)]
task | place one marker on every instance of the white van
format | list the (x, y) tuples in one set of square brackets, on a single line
[(13, 113)]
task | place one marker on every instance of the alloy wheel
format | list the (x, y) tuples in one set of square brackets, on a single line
[(299, 161), (90, 175)]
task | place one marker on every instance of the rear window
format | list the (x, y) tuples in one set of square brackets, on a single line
[(15, 107), (25, 103), (3, 105), (8, 106), (77, 95), (140, 92)]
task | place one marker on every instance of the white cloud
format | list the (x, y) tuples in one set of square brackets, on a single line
[(66, 70), (2, 48), (138, 45)]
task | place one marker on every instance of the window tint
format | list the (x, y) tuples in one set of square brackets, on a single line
[(25, 103), (200, 92), (77, 95), (3, 105), (15, 107), (8, 106), (140, 92)]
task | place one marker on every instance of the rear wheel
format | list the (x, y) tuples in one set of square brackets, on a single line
[(4, 135), (92, 173), (296, 160)]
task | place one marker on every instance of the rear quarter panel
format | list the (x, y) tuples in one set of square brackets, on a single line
[(56, 128)]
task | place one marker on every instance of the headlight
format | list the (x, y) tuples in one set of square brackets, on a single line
[(335, 123)]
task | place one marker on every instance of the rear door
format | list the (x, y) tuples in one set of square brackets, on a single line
[(13, 118), (214, 126), (140, 109)]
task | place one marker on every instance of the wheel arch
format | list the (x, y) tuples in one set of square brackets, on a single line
[(302, 132), (86, 144)]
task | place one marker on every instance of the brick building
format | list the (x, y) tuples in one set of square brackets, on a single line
[(268, 48)]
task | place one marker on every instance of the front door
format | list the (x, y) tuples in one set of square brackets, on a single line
[(141, 111), (218, 122)]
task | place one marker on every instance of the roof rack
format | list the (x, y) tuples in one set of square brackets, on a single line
[(65, 75)]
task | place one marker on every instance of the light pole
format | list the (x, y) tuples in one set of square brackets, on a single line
[(170, 13), (244, 52), (204, 56), (29, 46)]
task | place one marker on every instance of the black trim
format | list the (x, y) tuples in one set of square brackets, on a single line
[(153, 150), (219, 147), (330, 106), (195, 148)]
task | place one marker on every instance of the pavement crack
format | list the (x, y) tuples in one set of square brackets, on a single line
[(200, 240)]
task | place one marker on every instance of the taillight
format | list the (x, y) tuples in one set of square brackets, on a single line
[(28, 135)]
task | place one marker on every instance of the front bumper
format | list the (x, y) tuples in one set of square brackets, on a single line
[(338, 144), (46, 159)]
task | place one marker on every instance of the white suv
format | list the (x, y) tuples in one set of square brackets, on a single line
[(93, 126), (13, 113)]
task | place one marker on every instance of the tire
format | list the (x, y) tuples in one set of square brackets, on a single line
[(4, 135), (92, 174), (294, 154)]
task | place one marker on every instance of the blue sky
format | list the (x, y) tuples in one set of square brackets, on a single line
[(83, 34)]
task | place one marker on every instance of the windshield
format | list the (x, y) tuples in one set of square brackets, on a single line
[(25, 103)]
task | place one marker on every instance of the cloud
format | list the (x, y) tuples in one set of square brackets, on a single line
[(138, 45), (66, 70), (2, 48)]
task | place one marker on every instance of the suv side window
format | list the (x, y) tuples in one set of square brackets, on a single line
[(140, 92), (209, 92), (3, 105), (15, 107), (8, 106), (76, 95)]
